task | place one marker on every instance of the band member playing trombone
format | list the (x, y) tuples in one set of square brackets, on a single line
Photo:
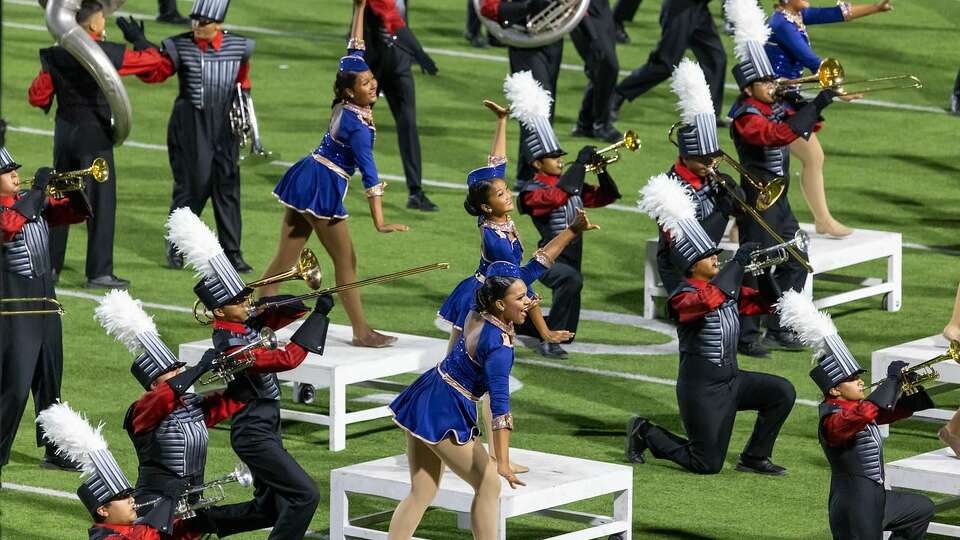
[(285, 496), (32, 344), (711, 387), (860, 506)]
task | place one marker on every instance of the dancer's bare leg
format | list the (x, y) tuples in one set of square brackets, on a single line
[(472, 463), (488, 430), (950, 433), (810, 154), (952, 330), (295, 230), (426, 469)]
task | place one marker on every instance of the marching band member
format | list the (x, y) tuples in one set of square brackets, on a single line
[(711, 387), (285, 497), (393, 47), (595, 41), (202, 148), (313, 189), (699, 150), (762, 130), (105, 490), (789, 51), (83, 132), (32, 344), (438, 411), (553, 202), (860, 506)]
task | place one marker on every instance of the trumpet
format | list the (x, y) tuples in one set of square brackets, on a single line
[(60, 183), (831, 74), (185, 509), (243, 123), (226, 366), (56, 308), (630, 141), (916, 376), (762, 259)]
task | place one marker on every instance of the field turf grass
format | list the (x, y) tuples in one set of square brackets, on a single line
[(887, 168)]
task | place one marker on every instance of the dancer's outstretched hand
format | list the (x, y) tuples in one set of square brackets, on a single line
[(500, 111), (581, 223), (393, 227), (507, 473), (558, 336)]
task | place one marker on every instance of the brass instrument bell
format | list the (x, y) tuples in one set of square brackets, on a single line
[(831, 74), (61, 182), (924, 372), (630, 141), (307, 269)]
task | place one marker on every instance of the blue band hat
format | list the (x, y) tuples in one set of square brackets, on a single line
[(354, 61), (7, 162), (214, 10), (487, 173), (503, 269)]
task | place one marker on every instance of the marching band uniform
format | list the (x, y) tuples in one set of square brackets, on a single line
[(33, 345), (711, 387), (317, 184), (202, 149), (392, 49), (623, 11), (595, 41)]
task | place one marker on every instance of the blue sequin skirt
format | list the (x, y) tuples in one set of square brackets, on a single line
[(456, 307), (432, 410), (311, 186)]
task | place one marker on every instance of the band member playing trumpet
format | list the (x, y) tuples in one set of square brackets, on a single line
[(32, 344), (711, 387), (313, 189), (202, 148), (860, 506), (82, 132), (285, 496)]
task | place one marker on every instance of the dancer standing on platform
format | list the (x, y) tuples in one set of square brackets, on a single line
[(711, 387), (699, 149), (860, 506), (762, 130), (790, 51), (32, 344), (438, 411), (314, 188)]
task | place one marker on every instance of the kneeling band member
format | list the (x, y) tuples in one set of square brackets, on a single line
[(710, 386)]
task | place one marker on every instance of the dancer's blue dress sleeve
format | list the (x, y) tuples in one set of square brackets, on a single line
[(361, 142), (497, 359)]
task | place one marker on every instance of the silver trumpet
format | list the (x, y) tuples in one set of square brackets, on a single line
[(762, 259), (243, 123), (226, 366), (186, 509)]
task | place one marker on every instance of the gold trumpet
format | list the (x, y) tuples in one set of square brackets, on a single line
[(630, 141), (55, 309), (831, 74), (916, 376), (60, 183), (226, 366)]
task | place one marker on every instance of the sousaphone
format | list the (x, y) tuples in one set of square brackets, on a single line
[(543, 28)]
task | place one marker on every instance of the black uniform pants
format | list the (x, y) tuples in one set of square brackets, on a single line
[(789, 275), (75, 146), (708, 410), (625, 10), (685, 24), (544, 62), (392, 70), (594, 39), (860, 509), (566, 282), (473, 20)]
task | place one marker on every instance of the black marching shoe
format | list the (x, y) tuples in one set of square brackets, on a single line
[(58, 462), (753, 349), (419, 201), (606, 132), (580, 130), (759, 466), (174, 258), (782, 341), (240, 265), (621, 34), (108, 281), (636, 439), (477, 41), (552, 350), (618, 100)]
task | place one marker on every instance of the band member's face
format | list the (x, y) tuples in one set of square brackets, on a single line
[(96, 25), (364, 89), (500, 201), (238, 312), (118, 512), (9, 183), (699, 166), (763, 91), (705, 268), (515, 303), (166, 376), (206, 31), (849, 389), (549, 165)]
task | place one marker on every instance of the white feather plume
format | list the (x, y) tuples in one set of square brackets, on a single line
[(193, 239), (72, 434), (529, 100), (749, 24), (123, 318), (690, 86), (811, 325), (665, 200)]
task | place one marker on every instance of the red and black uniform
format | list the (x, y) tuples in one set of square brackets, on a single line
[(102, 531), (711, 387), (32, 344), (860, 507), (82, 132), (552, 210)]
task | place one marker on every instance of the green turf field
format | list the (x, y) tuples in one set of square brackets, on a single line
[(887, 168)]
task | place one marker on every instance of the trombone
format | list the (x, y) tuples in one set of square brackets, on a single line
[(226, 366), (630, 141), (61, 182), (186, 509), (915, 376), (831, 74), (56, 308)]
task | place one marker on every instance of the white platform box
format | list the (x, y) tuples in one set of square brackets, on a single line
[(934, 472), (826, 255), (343, 364), (553, 481), (916, 352)]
